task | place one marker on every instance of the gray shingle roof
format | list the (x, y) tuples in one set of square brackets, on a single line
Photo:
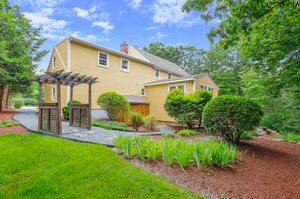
[(162, 64), (135, 99), (164, 81)]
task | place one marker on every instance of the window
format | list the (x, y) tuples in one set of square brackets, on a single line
[(143, 92), (181, 86), (124, 64), (169, 76), (53, 94), (103, 59), (208, 88), (53, 62), (157, 73)]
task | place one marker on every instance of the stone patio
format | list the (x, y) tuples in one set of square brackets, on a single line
[(28, 118)]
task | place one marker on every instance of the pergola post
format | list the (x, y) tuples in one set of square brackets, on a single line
[(90, 108), (71, 112), (58, 109), (40, 102)]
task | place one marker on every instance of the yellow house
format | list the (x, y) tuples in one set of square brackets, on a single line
[(144, 79)]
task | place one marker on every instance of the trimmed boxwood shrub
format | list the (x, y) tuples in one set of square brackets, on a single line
[(114, 104), (66, 109), (230, 116)]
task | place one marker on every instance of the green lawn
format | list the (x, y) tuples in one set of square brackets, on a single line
[(36, 166)]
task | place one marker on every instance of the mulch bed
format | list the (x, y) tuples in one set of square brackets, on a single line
[(8, 115), (269, 169)]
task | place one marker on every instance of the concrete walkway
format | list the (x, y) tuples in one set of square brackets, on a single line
[(28, 118)]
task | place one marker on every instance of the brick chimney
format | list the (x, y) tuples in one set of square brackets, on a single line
[(124, 47)]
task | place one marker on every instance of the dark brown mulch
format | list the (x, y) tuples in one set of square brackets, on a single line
[(269, 169), (143, 129), (8, 115)]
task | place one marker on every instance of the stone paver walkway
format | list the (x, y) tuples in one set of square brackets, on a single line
[(28, 118)]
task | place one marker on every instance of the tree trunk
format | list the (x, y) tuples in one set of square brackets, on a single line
[(3, 97)]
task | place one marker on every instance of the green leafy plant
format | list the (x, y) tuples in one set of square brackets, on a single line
[(169, 135), (18, 104), (111, 125), (137, 120), (150, 122), (8, 123), (168, 151), (290, 136), (187, 132), (66, 109), (114, 104), (126, 144), (182, 152), (230, 116), (248, 135)]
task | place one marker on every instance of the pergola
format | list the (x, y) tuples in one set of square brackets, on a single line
[(50, 113)]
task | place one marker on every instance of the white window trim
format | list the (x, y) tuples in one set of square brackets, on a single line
[(171, 76), (53, 94), (207, 88), (53, 62), (171, 85), (144, 93), (121, 69), (158, 73), (107, 61)]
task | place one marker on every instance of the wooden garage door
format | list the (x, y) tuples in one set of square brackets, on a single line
[(139, 108)]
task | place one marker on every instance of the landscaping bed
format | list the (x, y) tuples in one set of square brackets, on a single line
[(11, 126), (269, 169)]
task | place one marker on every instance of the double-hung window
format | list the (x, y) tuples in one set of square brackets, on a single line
[(157, 74), (208, 88), (124, 65), (103, 59), (53, 94), (143, 91), (53, 62), (169, 76), (180, 86)]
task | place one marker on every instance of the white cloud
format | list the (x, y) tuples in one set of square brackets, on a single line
[(86, 14), (134, 3), (90, 37), (169, 12), (104, 24), (150, 28), (158, 36), (51, 26)]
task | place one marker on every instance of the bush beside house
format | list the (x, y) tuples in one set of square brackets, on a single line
[(230, 116), (66, 109)]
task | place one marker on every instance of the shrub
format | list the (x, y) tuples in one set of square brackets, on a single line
[(137, 120), (187, 132), (111, 125), (150, 122), (291, 137), (66, 109), (8, 123), (18, 104), (114, 104), (230, 116), (187, 109), (248, 135)]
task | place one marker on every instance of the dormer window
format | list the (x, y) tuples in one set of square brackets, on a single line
[(103, 59), (157, 74), (124, 65), (169, 76), (53, 62)]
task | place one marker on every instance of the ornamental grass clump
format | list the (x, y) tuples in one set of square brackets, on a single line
[(168, 151), (126, 145), (182, 152)]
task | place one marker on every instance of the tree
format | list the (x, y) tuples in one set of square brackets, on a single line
[(114, 104), (201, 98), (230, 116), (20, 52)]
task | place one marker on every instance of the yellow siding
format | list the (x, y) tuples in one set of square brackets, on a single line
[(157, 95), (207, 81), (84, 60), (60, 63)]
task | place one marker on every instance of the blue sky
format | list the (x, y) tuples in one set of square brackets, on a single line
[(108, 23)]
